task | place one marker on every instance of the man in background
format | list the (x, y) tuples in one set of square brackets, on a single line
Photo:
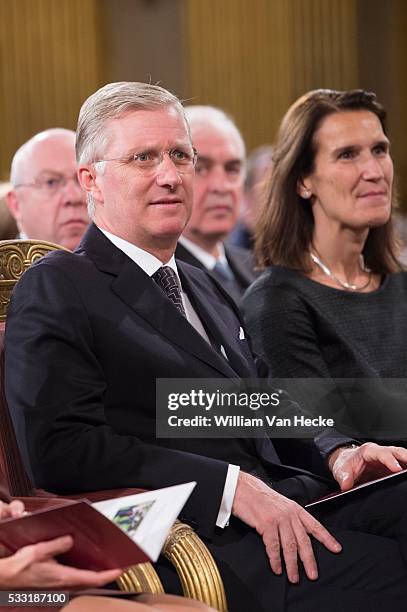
[(258, 170), (220, 172), (46, 199)]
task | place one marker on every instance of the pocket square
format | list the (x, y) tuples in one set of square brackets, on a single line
[(222, 350), (241, 334)]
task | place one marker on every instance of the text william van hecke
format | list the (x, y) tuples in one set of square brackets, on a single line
[(272, 421)]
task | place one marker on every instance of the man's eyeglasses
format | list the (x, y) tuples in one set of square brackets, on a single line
[(51, 182), (147, 162)]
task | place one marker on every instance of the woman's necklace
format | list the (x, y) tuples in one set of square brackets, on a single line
[(344, 284)]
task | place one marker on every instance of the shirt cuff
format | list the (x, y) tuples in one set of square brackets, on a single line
[(228, 496)]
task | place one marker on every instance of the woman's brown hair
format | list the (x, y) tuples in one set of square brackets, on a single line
[(285, 227)]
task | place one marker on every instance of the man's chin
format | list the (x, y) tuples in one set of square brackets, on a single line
[(213, 235), (172, 229)]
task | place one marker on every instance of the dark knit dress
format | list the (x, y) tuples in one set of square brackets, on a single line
[(304, 329)]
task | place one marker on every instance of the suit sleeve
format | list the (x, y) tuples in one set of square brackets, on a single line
[(55, 388)]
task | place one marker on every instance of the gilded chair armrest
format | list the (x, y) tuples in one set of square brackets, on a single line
[(141, 578), (195, 566)]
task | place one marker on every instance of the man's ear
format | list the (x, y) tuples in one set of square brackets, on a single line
[(13, 204), (304, 187), (88, 179)]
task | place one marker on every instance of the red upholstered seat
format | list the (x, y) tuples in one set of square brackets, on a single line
[(11, 464)]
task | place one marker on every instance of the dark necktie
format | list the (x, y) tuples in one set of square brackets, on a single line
[(224, 271), (224, 274), (167, 280)]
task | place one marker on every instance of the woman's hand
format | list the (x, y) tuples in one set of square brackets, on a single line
[(12, 510), (34, 567), (351, 466)]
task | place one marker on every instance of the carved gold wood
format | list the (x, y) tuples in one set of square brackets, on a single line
[(195, 566), (15, 257), (141, 578)]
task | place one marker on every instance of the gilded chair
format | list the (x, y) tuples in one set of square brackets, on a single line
[(197, 571)]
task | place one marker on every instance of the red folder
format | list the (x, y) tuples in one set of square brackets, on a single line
[(98, 544)]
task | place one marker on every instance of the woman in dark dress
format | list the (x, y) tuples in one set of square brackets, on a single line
[(332, 301)]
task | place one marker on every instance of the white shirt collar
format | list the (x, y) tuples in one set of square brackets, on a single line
[(147, 262), (208, 260), (150, 264)]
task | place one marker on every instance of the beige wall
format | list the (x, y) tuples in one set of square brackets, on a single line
[(252, 57), (382, 28), (50, 59)]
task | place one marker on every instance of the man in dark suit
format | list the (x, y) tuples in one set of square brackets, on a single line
[(89, 332), (218, 191)]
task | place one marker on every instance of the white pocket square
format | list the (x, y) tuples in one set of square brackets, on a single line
[(241, 334)]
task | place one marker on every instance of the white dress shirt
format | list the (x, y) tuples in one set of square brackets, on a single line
[(206, 259), (150, 264)]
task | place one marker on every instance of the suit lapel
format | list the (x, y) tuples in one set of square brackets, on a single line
[(212, 320), (233, 287), (182, 253), (138, 291), (242, 268)]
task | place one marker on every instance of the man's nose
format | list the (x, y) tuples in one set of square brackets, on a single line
[(167, 173), (218, 180)]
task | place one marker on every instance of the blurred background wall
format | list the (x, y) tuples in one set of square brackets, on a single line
[(251, 57)]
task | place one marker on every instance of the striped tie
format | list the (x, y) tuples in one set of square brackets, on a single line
[(167, 280)]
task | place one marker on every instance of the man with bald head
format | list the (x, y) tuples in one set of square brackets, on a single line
[(219, 177), (46, 199)]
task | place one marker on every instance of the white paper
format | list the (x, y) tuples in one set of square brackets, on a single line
[(147, 517)]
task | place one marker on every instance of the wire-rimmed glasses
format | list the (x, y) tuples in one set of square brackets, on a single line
[(147, 162)]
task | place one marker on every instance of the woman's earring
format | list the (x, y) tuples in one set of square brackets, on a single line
[(306, 194)]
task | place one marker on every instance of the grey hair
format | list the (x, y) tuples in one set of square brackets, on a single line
[(202, 115), (22, 154), (90, 205), (112, 101)]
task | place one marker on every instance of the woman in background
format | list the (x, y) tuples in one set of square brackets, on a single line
[(332, 301)]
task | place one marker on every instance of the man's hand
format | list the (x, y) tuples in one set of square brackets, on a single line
[(351, 466), (34, 567), (282, 524)]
